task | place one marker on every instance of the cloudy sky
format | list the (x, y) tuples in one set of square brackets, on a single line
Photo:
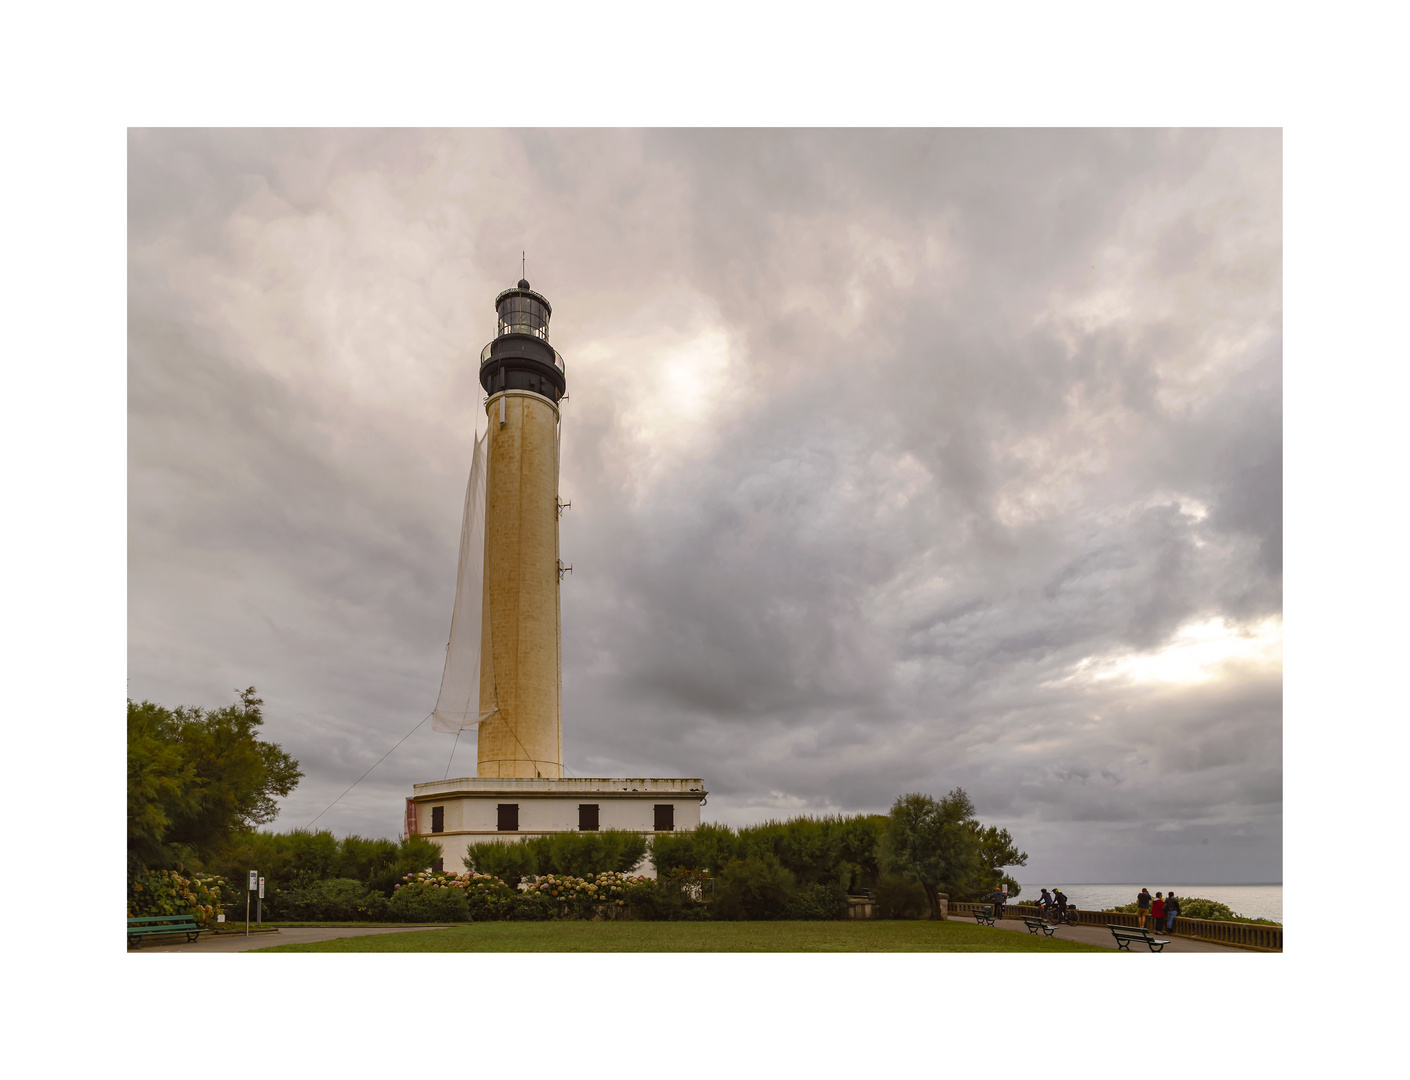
[(898, 461)]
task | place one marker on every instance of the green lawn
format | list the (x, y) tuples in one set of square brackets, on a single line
[(576, 936)]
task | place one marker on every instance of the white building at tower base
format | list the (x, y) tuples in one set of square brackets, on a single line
[(472, 810)]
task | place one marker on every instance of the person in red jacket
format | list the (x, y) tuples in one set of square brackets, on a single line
[(1158, 910)]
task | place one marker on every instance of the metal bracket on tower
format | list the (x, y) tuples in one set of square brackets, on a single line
[(563, 569), (563, 506)]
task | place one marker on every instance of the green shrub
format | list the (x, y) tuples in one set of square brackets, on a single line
[(679, 896), (1197, 907), (678, 851), (333, 900), (758, 887), (428, 902), (584, 854), (289, 860), (826, 850), (511, 863), (817, 901), (532, 907), (897, 898), (647, 902)]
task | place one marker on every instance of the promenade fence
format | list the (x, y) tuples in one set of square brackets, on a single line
[(1244, 935)]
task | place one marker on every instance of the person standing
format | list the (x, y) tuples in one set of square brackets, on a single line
[(1157, 911), (1172, 911), (1143, 905)]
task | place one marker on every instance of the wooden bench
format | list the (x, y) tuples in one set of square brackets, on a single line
[(151, 925), (1035, 924), (984, 914), (1126, 934)]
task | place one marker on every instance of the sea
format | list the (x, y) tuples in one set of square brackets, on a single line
[(1256, 901)]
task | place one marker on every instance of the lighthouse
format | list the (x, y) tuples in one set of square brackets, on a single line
[(503, 669), (520, 681)]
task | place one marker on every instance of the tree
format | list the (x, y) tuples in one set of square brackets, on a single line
[(930, 843), (996, 851), (511, 863), (195, 776)]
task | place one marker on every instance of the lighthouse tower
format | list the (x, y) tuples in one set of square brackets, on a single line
[(520, 682), (519, 788)]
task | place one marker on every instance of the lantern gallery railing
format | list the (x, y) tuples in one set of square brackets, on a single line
[(486, 354)]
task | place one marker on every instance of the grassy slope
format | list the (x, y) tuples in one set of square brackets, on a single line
[(880, 936)]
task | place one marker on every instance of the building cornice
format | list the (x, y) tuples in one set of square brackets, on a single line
[(486, 787)]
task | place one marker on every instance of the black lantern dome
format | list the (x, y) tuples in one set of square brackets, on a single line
[(520, 357)]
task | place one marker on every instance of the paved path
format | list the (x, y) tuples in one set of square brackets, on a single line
[(1100, 935), (291, 935)]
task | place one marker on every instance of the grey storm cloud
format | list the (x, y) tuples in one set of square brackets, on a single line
[(897, 460)]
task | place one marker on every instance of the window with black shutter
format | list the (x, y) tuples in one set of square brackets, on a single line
[(438, 819), (587, 817), (508, 817), (665, 817), (440, 865)]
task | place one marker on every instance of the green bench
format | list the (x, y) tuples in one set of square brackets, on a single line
[(984, 914), (1126, 934), (151, 925), (1035, 924)]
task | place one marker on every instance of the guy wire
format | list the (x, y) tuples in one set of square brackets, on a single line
[(379, 761)]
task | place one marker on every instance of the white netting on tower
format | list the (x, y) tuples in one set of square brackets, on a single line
[(458, 706)]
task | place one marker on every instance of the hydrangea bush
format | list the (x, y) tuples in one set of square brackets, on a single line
[(586, 897), (171, 892)]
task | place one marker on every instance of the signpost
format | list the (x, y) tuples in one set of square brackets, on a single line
[(259, 905), (254, 884)]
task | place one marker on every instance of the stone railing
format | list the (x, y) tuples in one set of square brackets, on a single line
[(864, 907), (1243, 935)]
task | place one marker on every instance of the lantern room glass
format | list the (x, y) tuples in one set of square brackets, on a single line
[(523, 315)]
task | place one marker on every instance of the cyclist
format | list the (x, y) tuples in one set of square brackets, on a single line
[(1045, 901), (1060, 899)]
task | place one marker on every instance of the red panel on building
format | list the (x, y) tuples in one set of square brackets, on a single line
[(410, 817)]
